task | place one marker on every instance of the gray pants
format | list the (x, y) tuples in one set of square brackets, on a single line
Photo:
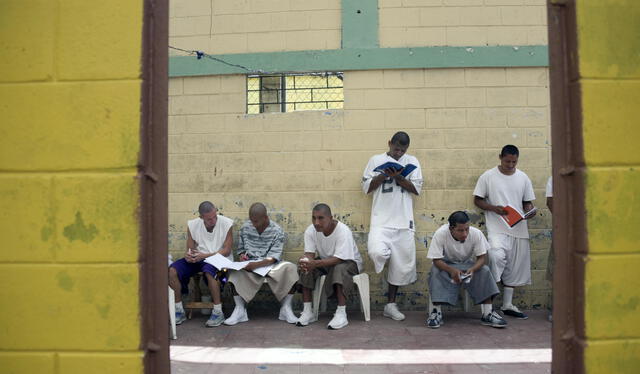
[(481, 287), (341, 274)]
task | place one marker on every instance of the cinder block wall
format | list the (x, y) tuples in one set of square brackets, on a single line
[(458, 120), (69, 142), (609, 73)]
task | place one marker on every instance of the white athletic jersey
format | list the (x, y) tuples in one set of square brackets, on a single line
[(392, 206), (444, 246), (549, 189), (499, 189), (339, 244), (210, 242)]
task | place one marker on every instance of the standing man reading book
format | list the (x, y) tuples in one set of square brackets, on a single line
[(207, 235), (392, 229), (337, 258), (509, 256), (261, 241)]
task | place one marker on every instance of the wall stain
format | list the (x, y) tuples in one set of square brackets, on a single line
[(46, 232), (65, 281), (103, 310), (79, 231)]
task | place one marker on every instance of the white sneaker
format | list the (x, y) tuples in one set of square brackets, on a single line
[(286, 314), (239, 315), (338, 321), (305, 319), (391, 311)]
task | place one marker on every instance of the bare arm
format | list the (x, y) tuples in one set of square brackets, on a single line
[(484, 205), (453, 272), (480, 261), (327, 262), (550, 204), (189, 254), (258, 264), (376, 182), (228, 243)]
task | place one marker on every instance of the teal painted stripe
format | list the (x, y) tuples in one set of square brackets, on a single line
[(360, 23), (363, 59)]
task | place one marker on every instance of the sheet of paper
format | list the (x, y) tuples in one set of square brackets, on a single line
[(221, 262), (262, 271)]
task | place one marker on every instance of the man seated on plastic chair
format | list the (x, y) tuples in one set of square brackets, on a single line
[(338, 259), (452, 249), (207, 235), (261, 241)]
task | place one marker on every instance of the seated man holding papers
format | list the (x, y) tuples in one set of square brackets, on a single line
[(459, 255), (260, 243), (207, 235)]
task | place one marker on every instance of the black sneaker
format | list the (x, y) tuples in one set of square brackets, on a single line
[(435, 320), (513, 311), (493, 319)]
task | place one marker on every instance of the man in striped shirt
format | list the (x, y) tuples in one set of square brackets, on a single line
[(261, 241)]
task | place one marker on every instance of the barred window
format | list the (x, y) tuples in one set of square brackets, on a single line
[(291, 92)]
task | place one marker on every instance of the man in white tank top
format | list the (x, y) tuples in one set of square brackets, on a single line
[(207, 235)]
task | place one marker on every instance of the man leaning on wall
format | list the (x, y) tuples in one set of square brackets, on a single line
[(392, 228), (510, 254), (206, 235)]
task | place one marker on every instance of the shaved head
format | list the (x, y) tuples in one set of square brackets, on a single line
[(257, 210), (322, 208)]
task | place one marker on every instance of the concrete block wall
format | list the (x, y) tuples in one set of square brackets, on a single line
[(70, 106), (414, 23), (240, 26), (458, 120)]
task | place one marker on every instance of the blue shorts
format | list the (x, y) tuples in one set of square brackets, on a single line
[(186, 270)]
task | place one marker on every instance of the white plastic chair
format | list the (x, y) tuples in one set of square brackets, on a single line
[(172, 314), (362, 284)]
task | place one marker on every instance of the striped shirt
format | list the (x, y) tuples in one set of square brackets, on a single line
[(260, 246)]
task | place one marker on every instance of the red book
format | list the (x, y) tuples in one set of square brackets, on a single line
[(513, 216)]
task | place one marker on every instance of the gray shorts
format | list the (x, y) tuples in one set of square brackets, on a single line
[(341, 274), (481, 287)]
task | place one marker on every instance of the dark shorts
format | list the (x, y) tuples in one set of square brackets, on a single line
[(186, 270)]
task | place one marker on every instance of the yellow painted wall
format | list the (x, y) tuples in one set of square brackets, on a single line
[(609, 55), (69, 142)]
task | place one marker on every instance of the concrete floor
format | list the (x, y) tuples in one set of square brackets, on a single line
[(461, 345)]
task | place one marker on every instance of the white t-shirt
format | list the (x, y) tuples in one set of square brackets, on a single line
[(210, 242), (392, 206), (549, 189), (499, 189), (444, 246), (339, 244)]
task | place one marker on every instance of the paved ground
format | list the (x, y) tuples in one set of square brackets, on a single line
[(462, 345)]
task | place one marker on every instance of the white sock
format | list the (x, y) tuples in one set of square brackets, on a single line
[(507, 296), (217, 308), (307, 308), (436, 307), (486, 309), (239, 301), (286, 301), (341, 309), (179, 307)]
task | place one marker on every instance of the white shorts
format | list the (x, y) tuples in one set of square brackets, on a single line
[(397, 246), (510, 259)]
